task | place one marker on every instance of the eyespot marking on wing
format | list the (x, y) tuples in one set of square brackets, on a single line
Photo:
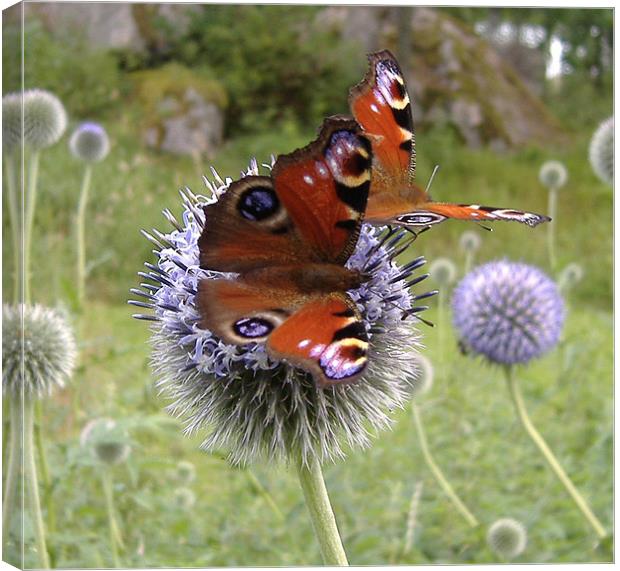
[(258, 203)]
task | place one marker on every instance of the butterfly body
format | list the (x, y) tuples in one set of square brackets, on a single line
[(382, 106), (287, 237)]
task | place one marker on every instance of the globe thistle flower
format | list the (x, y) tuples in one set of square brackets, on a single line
[(509, 312), (570, 276), (553, 175), (602, 151), (507, 538), (254, 406), (45, 118), (184, 498), (470, 241), (443, 271), (38, 350), (185, 472), (107, 440), (11, 121), (425, 375), (89, 142)]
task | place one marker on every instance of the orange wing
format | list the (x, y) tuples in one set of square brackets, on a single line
[(324, 188)]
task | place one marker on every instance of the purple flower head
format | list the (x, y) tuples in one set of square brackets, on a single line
[(509, 312), (256, 407)]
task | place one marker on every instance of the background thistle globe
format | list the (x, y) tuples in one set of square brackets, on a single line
[(185, 472), (252, 406), (470, 241), (45, 118), (108, 441), (507, 538), (553, 175), (45, 339), (89, 142), (508, 312), (570, 276), (425, 375), (11, 122), (443, 271), (601, 151), (184, 498)]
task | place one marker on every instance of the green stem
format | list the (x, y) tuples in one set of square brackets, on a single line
[(32, 484), (116, 540), (517, 398), (13, 466), (31, 199), (552, 213), (321, 513), (14, 220), (266, 495), (469, 261), (45, 474), (81, 240), (441, 479)]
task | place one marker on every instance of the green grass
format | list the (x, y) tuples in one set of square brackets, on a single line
[(472, 429)]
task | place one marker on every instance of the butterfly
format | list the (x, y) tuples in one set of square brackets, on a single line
[(288, 236), (381, 105)]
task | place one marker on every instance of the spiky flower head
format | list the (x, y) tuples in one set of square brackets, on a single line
[(108, 441), (184, 498), (470, 241), (11, 122), (38, 350), (443, 271), (602, 151), (45, 118), (507, 538), (185, 472), (425, 376), (89, 142), (570, 276), (553, 175), (259, 408), (509, 312)]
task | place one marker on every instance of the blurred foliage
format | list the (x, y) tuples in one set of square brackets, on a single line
[(310, 78), (87, 81)]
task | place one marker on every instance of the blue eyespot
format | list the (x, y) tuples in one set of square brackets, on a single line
[(253, 327), (258, 203)]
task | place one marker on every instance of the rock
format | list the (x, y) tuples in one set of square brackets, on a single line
[(453, 75)]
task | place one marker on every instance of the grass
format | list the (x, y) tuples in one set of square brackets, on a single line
[(472, 429)]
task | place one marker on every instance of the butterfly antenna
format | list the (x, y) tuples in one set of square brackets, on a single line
[(485, 227), (430, 180)]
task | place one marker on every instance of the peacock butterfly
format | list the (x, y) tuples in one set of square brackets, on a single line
[(380, 103), (287, 237)]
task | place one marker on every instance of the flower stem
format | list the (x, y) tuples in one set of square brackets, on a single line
[(45, 475), (81, 241), (32, 484), (266, 495), (14, 220), (31, 199), (517, 398), (116, 539), (552, 213), (321, 513), (441, 479), (13, 465)]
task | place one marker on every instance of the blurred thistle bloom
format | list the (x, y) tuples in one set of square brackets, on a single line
[(570, 276), (257, 407), (45, 118), (509, 312), (184, 498), (443, 271), (553, 175), (38, 350), (11, 121), (185, 472), (602, 151), (507, 538), (108, 441), (470, 241), (425, 375), (89, 142)]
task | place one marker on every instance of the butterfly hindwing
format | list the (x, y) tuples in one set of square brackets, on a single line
[(324, 188)]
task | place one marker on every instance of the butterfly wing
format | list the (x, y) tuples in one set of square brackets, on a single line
[(310, 209), (324, 188), (322, 334)]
